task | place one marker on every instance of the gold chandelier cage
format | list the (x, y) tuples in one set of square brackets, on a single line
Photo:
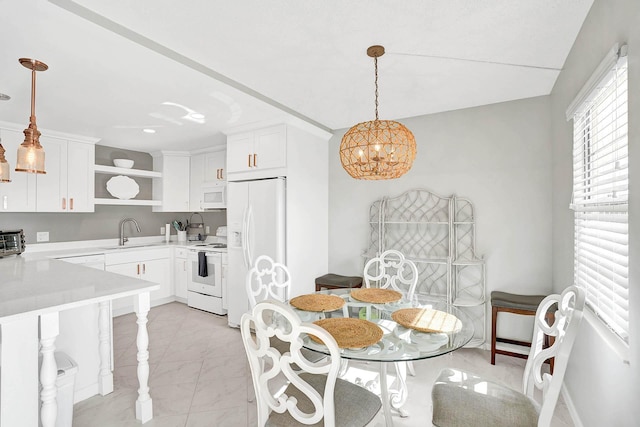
[(378, 149)]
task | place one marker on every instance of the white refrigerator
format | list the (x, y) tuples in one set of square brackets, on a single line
[(256, 222)]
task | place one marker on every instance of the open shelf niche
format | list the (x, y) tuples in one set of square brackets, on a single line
[(140, 173), (438, 234)]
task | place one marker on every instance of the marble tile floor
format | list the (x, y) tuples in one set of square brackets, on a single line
[(199, 376)]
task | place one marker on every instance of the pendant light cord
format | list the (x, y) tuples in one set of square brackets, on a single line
[(375, 62)]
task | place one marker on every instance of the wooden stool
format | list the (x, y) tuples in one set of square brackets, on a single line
[(525, 305), (336, 281)]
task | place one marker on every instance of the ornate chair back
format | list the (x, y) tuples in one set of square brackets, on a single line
[(563, 331), (308, 404), (267, 279), (392, 270)]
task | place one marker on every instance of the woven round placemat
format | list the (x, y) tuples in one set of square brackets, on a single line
[(317, 302), (427, 320), (376, 295), (350, 333)]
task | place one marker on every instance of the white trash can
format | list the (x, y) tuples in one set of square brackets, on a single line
[(65, 383)]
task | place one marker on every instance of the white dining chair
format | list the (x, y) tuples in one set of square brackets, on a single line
[(268, 279), (463, 399), (315, 394), (391, 270)]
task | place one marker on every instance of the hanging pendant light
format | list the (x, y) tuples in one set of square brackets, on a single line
[(378, 149), (30, 152), (5, 175)]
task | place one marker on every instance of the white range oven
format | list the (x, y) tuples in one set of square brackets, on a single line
[(206, 292)]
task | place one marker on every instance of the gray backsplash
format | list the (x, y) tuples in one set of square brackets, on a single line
[(104, 222)]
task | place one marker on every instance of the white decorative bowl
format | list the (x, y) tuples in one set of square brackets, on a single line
[(123, 163), (123, 187)]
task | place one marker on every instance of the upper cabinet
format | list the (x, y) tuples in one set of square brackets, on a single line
[(68, 183), (19, 195), (207, 169), (173, 187), (261, 153), (215, 166)]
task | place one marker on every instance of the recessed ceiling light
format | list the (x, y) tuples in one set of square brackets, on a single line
[(4, 97), (148, 130)]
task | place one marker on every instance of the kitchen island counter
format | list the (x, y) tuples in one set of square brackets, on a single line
[(33, 290)]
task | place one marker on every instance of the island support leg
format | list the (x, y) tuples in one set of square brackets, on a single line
[(19, 379), (105, 378), (49, 330), (144, 404)]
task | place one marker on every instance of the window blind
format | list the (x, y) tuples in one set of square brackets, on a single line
[(600, 198)]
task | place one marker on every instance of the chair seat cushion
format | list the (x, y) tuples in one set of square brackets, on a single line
[(354, 405), (339, 281), (462, 399), (521, 302)]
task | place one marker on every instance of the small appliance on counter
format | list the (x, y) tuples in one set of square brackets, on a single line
[(11, 242)]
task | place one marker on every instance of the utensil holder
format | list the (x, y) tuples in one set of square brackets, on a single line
[(182, 236)]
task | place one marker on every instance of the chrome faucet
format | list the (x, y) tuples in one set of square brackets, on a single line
[(122, 238)]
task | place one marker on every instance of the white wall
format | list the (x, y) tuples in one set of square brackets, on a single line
[(498, 156), (603, 389)]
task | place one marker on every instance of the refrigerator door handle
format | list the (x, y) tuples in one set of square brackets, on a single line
[(248, 234), (244, 239)]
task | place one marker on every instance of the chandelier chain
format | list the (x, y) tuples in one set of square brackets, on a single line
[(375, 62)]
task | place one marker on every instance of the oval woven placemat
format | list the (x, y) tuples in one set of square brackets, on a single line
[(376, 295), (427, 320), (317, 302), (350, 333)]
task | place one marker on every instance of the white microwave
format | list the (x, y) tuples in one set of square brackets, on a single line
[(213, 196)]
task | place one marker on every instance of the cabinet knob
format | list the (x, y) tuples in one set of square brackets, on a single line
[(222, 173), (144, 268), (64, 203), (71, 203), (249, 159), (138, 269), (255, 160)]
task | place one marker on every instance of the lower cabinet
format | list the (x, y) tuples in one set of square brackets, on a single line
[(180, 274), (152, 265)]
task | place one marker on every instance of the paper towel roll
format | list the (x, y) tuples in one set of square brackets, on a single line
[(167, 232)]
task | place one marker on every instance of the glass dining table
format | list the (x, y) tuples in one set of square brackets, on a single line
[(398, 343)]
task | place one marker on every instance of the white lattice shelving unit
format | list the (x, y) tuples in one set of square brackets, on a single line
[(438, 235)]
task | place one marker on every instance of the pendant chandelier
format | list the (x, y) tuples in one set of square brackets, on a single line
[(30, 152), (378, 149), (5, 175)]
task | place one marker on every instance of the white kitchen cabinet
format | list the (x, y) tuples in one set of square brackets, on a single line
[(180, 274), (207, 168), (214, 166), (19, 195), (262, 152), (173, 187), (196, 178), (68, 184), (152, 265)]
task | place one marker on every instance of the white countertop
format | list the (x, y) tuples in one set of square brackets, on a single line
[(105, 246), (34, 285)]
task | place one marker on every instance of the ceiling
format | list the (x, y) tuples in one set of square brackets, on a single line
[(120, 66)]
